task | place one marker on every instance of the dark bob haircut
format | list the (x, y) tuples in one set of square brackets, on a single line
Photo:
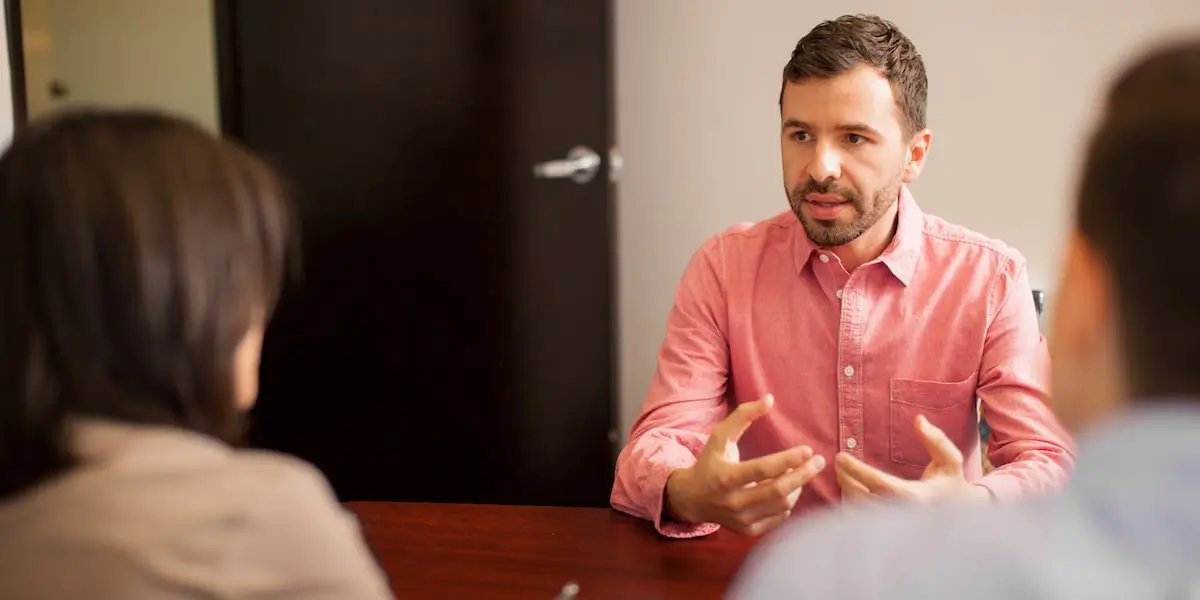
[(136, 252)]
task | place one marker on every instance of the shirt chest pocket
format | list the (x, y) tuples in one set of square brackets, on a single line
[(950, 407)]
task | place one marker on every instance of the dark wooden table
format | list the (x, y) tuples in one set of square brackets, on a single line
[(451, 551)]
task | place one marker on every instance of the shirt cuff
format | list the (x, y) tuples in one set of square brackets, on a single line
[(656, 485), (1002, 487)]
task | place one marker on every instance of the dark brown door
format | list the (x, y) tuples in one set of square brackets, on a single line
[(451, 338)]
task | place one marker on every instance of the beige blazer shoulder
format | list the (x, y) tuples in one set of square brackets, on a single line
[(161, 513)]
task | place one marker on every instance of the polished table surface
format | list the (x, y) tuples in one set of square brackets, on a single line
[(452, 551)]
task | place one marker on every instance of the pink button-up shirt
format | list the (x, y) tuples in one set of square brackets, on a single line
[(943, 317)]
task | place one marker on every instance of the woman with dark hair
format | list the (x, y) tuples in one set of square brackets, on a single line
[(140, 260)]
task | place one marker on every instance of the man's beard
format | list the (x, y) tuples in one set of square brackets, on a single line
[(829, 234)]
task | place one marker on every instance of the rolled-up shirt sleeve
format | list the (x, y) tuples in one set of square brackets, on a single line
[(687, 396), (1031, 451)]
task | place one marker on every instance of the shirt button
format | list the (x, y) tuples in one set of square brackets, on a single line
[(851, 443), (849, 371), (838, 294), (824, 258)]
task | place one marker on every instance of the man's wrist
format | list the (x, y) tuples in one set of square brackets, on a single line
[(672, 506)]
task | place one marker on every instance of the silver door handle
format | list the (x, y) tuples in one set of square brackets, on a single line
[(581, 165)]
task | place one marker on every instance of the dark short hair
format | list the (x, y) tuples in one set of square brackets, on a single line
[(1162, 83), (1139, 209), (837, 46), (136, 249)]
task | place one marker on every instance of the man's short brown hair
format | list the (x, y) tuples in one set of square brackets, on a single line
[(837, 46)]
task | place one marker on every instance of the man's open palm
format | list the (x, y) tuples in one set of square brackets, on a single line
[(749, 497)]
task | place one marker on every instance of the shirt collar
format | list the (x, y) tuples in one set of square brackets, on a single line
[(902, 253)]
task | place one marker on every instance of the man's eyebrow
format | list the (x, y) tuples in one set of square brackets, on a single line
[(847, 127), (859, 128)]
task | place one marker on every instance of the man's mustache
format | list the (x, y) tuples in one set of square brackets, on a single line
[(801, 193)]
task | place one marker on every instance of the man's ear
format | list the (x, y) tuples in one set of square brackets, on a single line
[(1088, 380), (1080, 318), (918, 152)]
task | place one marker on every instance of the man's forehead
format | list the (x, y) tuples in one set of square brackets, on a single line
[(860, 95)]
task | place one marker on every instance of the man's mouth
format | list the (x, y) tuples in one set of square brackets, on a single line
[(825, 200)]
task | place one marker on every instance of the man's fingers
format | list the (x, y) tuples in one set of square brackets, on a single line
[(767, 524), (802, 474), (942, 451), (730, 429), (767, 467), (876, 481), (778, 495), (852, 488)]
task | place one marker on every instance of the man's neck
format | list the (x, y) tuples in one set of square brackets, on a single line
[(868, 246)]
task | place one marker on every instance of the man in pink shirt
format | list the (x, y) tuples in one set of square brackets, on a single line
[(839, 349)]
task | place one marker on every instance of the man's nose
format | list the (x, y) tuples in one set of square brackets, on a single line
[(826, 164)]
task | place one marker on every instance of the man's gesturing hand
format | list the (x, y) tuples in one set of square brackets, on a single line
[(943, 477), (749, 497)]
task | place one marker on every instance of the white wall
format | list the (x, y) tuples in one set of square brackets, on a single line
[(1012, 88), (155, 53), (6, 107)]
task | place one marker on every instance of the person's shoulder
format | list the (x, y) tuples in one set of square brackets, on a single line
[(941, 234), (748, 231), (301, 535), (182, 503), (280, 474), (750, 237), (890, 549)]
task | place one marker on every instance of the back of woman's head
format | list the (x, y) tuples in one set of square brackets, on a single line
[(136, 252)]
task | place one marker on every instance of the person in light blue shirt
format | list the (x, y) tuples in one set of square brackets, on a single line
[(1125, 346)]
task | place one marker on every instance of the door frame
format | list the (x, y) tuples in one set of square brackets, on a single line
[(16, 62), (227, 67)]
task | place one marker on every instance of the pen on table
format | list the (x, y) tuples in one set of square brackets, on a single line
[(568, 591)]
